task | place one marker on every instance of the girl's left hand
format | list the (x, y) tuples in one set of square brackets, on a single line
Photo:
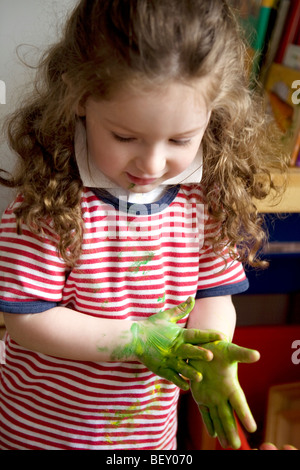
[(164, 346), (267, 446), (219, 394)]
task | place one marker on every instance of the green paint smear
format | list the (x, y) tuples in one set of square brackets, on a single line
[(135, 267), (155, 342), (122, 353), (102, 349), (144, 341)]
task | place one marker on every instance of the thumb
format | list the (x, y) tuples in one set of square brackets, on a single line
[(177, 313), (240, 354)]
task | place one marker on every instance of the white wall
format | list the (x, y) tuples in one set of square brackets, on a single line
[(34, 24)]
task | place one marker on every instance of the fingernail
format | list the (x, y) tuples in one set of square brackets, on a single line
[(223, 442), (209, 356), (187, 303), (199, 377)]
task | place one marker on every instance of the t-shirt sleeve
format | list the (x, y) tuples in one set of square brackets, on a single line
[(218, 274), (32, 275)]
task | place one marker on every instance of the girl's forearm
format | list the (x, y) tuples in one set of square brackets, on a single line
[(214, 313), (158, 342), (68, 334)]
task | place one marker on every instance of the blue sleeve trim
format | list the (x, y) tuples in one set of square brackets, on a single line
[(26, 307), (228, 289)]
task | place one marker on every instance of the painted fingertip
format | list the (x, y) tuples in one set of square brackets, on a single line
[(183, 306), (185, 387), (251, 425), (188, 304), (219, 336), (209, 356), (236, 444), (224, 443), (256, 356), (199, 377)]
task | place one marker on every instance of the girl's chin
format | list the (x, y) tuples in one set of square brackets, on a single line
[(136, 188), (139, 185)]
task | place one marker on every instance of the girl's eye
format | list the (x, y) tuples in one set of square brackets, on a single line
[(120, 138), (182, 143)]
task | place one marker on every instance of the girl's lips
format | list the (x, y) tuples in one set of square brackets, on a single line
[(141, 181)]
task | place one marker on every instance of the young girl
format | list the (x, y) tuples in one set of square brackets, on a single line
[(116, 263)]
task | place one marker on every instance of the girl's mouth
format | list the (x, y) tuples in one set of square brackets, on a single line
[(141, 181)]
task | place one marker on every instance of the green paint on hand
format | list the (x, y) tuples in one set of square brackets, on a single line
[(220, 389), (123, 353), (164, 346)]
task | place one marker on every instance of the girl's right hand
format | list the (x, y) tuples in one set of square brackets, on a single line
[(220, 394), (164, 347)]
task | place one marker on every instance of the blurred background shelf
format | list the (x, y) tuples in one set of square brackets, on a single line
[(290, 201), (2, 328)]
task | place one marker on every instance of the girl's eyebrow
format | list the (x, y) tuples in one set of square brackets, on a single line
[(181, 134), (120, 126), (191, 132)]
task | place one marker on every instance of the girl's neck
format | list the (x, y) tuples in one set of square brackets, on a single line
[(138, 198)]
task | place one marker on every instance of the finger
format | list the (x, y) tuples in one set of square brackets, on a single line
[(218, 427), (187, 351), (188, 371), (177, 313), (173, 377), (194, 336), (229, 425), (207, 420), (183, 309), (266, 446), (240, 354), (239, 404)]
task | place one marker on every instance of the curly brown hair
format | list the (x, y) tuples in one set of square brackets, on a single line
[(112, 43)]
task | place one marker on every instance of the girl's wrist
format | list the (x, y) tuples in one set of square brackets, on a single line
[(129, 346)]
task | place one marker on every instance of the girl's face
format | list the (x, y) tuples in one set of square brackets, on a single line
[(140, 139)]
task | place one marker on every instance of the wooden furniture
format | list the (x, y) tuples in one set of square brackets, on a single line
[(283, 415), (2, 327), (290, 201)]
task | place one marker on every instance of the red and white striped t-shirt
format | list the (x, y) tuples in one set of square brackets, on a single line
[(136, 261)]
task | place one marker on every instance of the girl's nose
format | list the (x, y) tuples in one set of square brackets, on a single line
[(151, 162)]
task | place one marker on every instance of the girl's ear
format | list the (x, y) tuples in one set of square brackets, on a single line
[(80, 108)]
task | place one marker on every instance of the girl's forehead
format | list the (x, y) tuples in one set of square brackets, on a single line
[(195, 92), (179, 108)]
